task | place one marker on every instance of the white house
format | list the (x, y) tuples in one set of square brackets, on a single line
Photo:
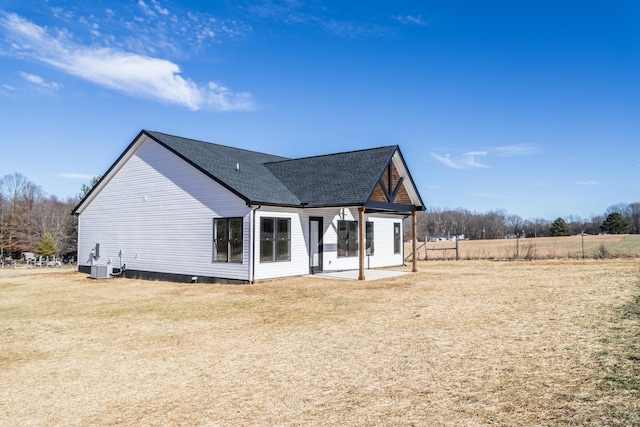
[(178, 209)]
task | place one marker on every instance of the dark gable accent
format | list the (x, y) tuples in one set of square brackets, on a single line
[(389, 185)]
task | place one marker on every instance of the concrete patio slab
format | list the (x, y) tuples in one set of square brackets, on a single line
[(353, 274)]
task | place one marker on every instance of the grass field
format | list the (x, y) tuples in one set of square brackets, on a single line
[(609, 246), (473, 343)]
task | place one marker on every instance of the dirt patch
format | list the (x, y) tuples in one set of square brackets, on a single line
[(464, 343)]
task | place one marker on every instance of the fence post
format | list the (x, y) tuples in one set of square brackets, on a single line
[(457, 249)]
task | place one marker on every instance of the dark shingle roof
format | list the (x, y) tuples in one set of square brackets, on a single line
[(253, 181), (341, 179)]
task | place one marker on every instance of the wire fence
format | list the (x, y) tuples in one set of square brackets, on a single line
[(568, 247)]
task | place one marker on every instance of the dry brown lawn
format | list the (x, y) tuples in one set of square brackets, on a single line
[(619, 245), (467, 343)]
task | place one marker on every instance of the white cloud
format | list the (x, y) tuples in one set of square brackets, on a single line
[(130, 73), (447, 161), (590, 182), (467, 160), (8, 87), (471, 159), (147, 10), (296, 12), (410, 20), (158, 8), (40, 81)]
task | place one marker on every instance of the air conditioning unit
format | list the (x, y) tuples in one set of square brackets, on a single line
[(99, 272)]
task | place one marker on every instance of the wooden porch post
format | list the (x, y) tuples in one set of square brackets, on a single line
[(362, 243), (414, 240)]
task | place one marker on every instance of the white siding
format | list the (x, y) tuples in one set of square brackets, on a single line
[(299, 264), (383, 242), (159, 211), (382, 234)]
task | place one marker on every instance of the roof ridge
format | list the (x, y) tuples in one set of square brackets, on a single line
[(332, 154), (151, 132)]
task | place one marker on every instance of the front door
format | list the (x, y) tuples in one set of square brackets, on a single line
[(315, 245)]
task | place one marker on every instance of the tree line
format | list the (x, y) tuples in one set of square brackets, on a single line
[(498, 224), (30, 219), (33, 222)]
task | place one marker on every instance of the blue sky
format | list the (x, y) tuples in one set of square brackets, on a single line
[(530, 107)]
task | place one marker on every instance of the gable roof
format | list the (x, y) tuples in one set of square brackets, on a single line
[(341, 179), (253, 182)]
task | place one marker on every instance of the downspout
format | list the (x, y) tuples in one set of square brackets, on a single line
[(253, 245)]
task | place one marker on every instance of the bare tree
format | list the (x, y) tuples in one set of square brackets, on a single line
[(537, 227), (514, 224), (19, 197), (634, 218), (576, 224), (495, 224), (53, 216), (621, 208), (593, 226)]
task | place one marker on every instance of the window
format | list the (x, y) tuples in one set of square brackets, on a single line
[(369, 238), (275, 239), (227, 239), (347, 238), (397, 240)]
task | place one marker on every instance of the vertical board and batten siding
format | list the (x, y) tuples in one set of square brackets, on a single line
[(159, 211)]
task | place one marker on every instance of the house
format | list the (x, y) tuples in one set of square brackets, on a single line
[(179, 209)]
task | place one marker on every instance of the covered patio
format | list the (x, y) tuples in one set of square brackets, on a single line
[(355, 275)]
